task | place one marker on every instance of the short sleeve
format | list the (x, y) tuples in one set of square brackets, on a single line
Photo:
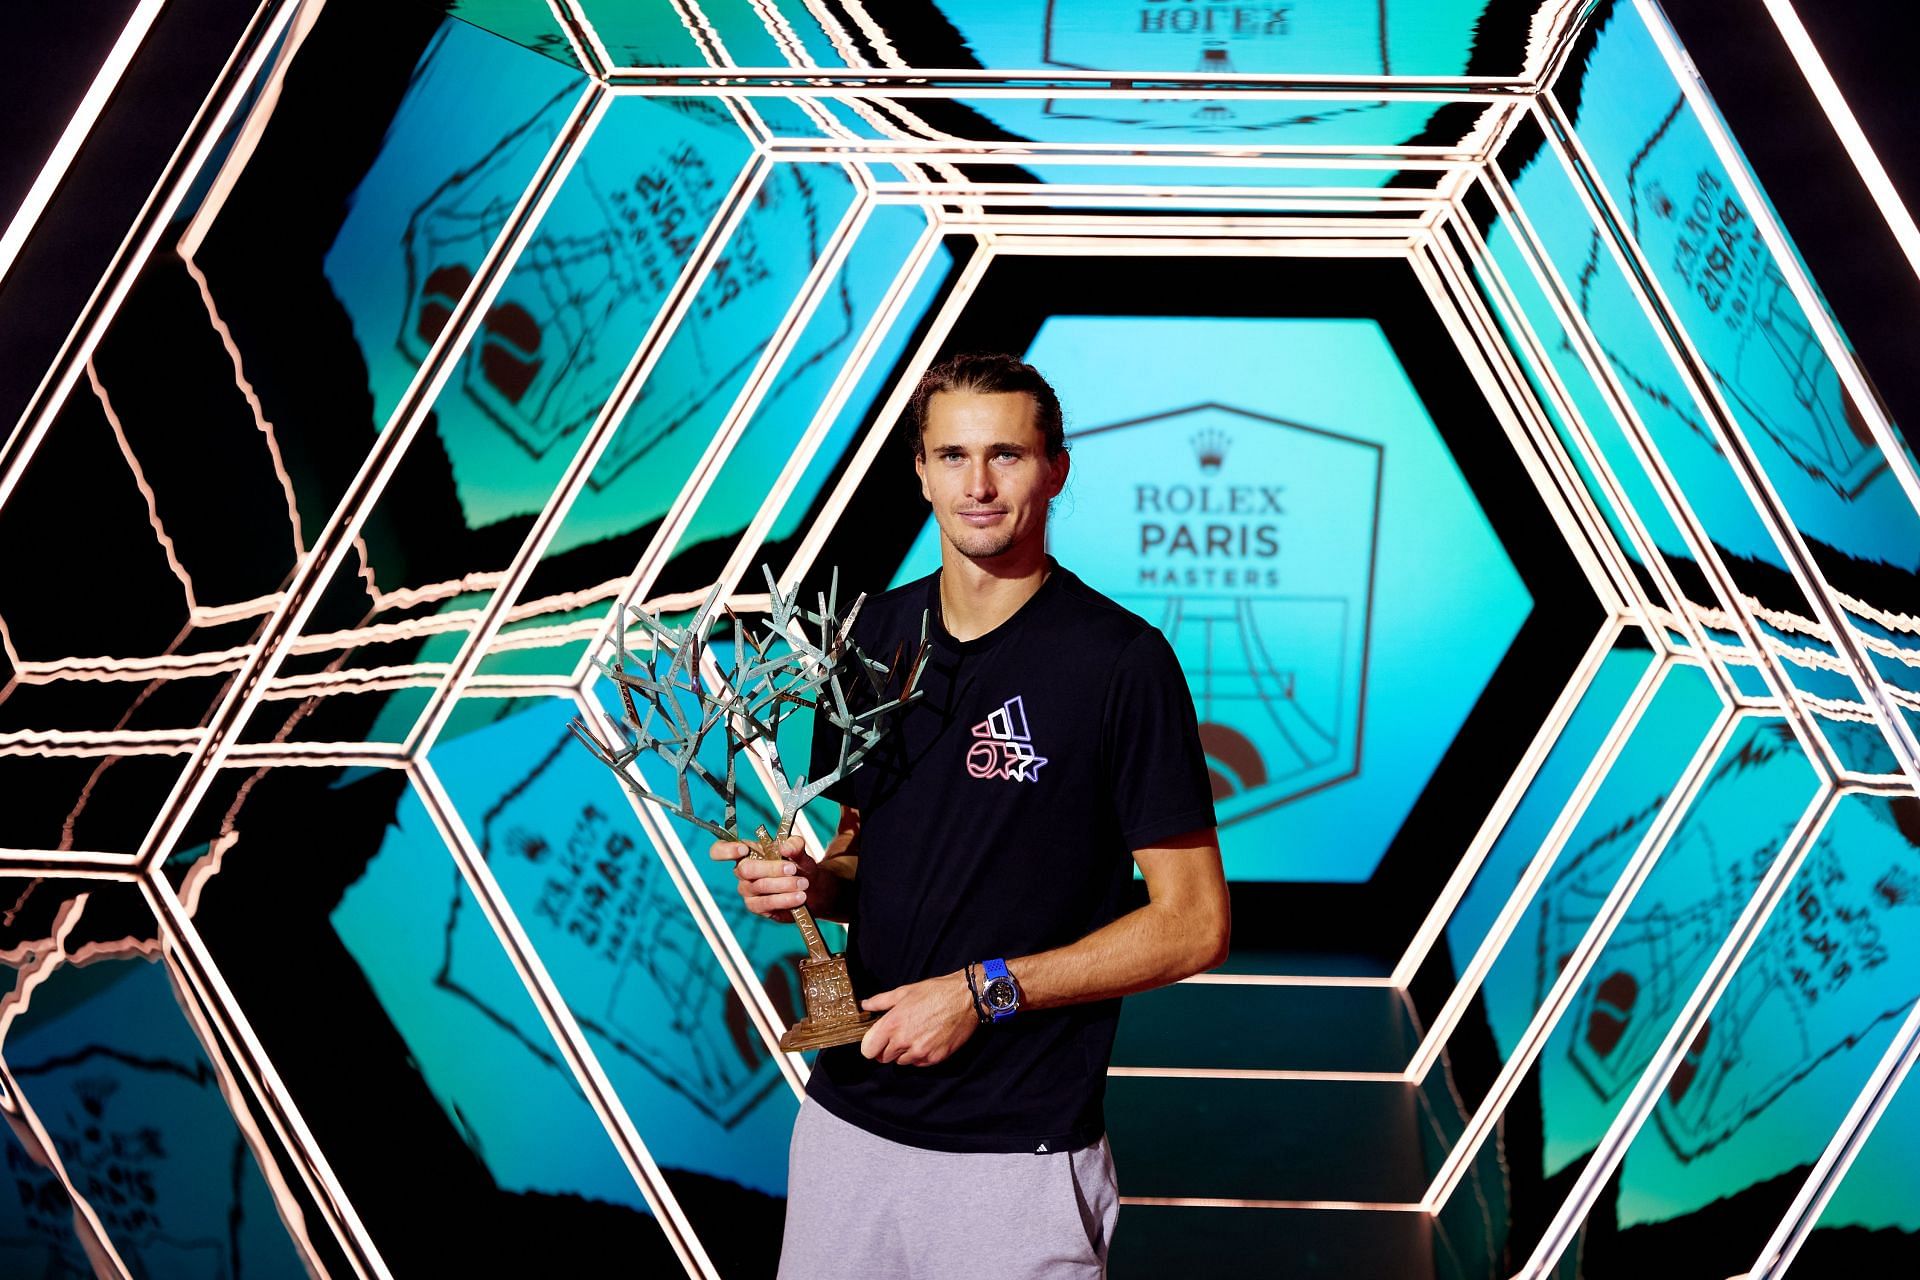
[(1156, 767)]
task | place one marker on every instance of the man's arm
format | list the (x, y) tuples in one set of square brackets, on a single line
[(774, 889), (1182, 930)]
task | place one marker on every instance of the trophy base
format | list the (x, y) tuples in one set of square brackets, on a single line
[(809, 1034), (834, 1016)]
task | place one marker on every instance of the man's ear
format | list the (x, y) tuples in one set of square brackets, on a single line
[(1060, 466), (920, 470)]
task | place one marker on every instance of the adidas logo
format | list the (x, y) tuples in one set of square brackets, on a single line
[(1041, 1149), (1003, 746)]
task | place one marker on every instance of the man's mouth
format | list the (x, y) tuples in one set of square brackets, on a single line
[(981, 517)]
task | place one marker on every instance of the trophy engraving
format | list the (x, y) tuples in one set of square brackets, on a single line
[(676, 698)]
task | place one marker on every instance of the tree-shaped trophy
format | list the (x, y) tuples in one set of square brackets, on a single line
[(675, 699)]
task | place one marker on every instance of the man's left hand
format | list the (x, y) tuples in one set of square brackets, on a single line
[(922, 1023)]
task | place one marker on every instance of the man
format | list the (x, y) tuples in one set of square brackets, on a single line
[(982, 863)]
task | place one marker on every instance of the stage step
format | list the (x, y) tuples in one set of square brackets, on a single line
[(1156, 1241), (1266, 1139), (1288, 1028)]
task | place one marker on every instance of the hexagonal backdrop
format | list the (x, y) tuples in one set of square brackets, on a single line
[(1439, 379)]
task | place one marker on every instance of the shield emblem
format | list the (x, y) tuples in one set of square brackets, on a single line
[(1249, 541)]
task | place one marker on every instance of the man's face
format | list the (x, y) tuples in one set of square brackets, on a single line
[(984, 467)]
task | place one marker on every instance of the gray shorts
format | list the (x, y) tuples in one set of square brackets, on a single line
[(859, 1205)]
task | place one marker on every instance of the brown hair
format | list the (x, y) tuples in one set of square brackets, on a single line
[(988, 373)]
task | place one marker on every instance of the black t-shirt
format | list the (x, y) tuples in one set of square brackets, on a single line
[(998, 820)]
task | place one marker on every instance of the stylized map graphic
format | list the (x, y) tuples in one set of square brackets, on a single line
[(619, 936)]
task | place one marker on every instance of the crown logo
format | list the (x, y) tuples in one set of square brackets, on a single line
[(1210, 447)]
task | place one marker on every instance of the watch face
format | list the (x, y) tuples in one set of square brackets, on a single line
[(1000, 994)]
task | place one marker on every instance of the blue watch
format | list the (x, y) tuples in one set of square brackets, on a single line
[(1000, 997)]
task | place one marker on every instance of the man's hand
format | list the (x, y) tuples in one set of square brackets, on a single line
[(923, 1022), (773, 889)]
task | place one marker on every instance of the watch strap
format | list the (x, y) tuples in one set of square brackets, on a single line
[(996, 971)]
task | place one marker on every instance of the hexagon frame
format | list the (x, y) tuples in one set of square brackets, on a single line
[(1431, 229)]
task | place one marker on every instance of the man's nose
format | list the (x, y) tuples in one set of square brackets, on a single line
[(980, 482)]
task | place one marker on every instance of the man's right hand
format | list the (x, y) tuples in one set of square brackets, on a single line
[(773, 889)]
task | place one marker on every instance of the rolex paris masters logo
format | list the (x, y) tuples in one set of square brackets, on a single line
[(1248, 541), (1003, 745)]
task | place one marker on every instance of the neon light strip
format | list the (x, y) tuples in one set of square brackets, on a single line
[(67, 146), (768, 1021), (588, 50), (1878, 784), (70, 863), (626, 393), (666, 541), (1184, 199), (1481, 350), (1560, 997), (1253, 1073), (378, 468), (784, 147), (1811, 1201), (1197, 197), (788, 151), (851, 371), (251, 130), (1726, 430), (1188, 247), (1254, 227), (37, 960), (85, 742), (1215, 978), (1585, 347), (578, 32), (41, 960), (875, 34), (883, 422), (199, 983), (729, 86), (202, 136), (160, 534), (1845, 364), (1427, 1055), (292, 1209), (1222, 1202), (1061, 82), (560, 1022), (837, 35), (1720, 581), (647, 570), (1564, 30), (94, 1240), (1679, 349), (707, 36), (1495, 823), (326, 755), (777, 26), (1680, 613), (1639, 1105), (703, 33), (1732, 442), (1618, 589), (254, 407)]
